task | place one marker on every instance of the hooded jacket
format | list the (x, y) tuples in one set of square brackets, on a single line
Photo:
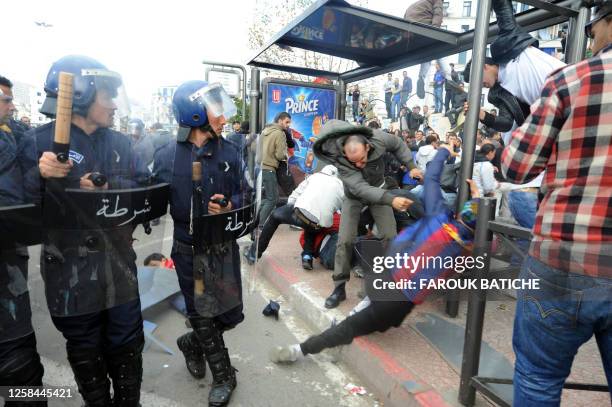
[(273, 147), (365, 185), (424, 156), (319, 196)]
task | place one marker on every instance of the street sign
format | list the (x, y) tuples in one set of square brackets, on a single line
[(229, 79)]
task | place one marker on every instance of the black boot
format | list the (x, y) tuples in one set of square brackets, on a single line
[(224, 375), (91, 376), (194, 355), (23, 368), (336, 297), (125, 368)]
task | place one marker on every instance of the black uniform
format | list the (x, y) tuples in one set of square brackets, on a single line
[(89, 273)]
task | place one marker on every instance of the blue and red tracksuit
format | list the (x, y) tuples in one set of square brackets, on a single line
[(437, 235)]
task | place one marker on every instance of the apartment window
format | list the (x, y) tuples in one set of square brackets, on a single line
[(465, 28), (445, 5), (467, 8), (524, 7)]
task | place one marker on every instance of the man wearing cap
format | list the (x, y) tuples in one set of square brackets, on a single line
[(569, 135)]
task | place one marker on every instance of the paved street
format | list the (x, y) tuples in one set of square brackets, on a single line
[(312, 382)]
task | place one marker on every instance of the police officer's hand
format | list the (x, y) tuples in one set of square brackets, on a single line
[(51, 168), (88, 184), (416, 173), (215, 208), (401, 204)]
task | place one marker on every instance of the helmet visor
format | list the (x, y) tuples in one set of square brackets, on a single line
[(109, 87), (215, 100)]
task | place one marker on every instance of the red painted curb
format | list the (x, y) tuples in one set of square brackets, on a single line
[(397, 373)]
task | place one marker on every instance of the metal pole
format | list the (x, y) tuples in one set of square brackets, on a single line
[(254, 95), (341, 99), (471, 122), (244, 80), (576, 44), (476, 303)]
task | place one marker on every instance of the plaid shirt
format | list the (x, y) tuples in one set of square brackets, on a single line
[(569, 135)]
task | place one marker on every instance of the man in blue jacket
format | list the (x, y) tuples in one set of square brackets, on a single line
[(211, 207), (89, 270)]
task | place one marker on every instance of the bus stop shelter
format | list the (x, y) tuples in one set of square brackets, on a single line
[(328, 27)]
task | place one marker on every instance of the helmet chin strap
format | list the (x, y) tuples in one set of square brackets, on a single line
[(208, 129)]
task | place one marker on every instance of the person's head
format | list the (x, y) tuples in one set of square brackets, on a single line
[(356, 87), (418, 135), (489, 73), (405, 74), (431, 140), (461, 87), (416, 109), (201, 110), (356, 149), (599, 29), (283, 119), (434, 134), (6, 100), (452, 66), (405, 134), (425, 109), (451, 138), (154, 260), (494, 112), (136, 128), (374, 124), (97, 92), (236, 126), (488, 151), (438, 66), (396, 81), (389, 76), (26, 120), (496, 136), (245, 127)]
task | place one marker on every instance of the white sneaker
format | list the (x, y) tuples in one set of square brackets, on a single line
[(363, 304), (285, 354)]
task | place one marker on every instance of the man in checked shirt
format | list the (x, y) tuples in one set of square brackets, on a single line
[(569, 134)]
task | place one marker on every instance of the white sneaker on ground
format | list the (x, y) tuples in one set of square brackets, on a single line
[(361, 306), (286, 354)]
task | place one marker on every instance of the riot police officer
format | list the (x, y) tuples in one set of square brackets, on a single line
[(19, 360), (211, 206), (89, 270)]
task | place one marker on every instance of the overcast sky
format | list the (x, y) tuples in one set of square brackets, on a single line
[(150, 43)]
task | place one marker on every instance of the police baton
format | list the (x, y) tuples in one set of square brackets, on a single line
[(63, 117), (196, 206)]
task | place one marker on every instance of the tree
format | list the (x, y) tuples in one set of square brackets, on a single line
[(238, 116), (270, 16)]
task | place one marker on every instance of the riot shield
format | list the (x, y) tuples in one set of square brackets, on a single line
[(96, 220), (19, 227), (222, 210)]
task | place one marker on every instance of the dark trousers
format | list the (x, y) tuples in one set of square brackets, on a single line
[(448, 97), (285, 216), (107, 330), (388, 96), (355, 110), (183, 262), (377, 317)]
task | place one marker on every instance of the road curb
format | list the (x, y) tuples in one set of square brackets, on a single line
[(378, 369)]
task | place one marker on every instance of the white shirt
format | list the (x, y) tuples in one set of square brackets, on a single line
[(525, 75)]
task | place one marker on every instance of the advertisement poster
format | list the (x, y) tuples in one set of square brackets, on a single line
[(310, 107)]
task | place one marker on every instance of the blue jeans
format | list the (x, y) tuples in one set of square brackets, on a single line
[(551, 323), (395, 109), (438, 100), (523, 206), (449, 197)]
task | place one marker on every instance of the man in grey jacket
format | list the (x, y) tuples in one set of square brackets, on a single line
[(357, 152)]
